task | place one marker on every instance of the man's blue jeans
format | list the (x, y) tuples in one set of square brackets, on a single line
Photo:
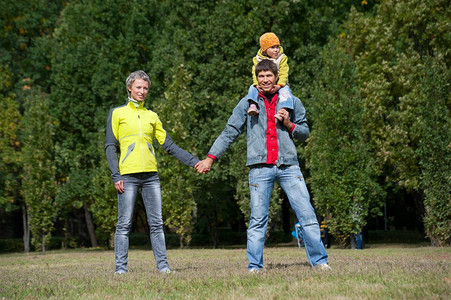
[(151, 195), (290, 178)]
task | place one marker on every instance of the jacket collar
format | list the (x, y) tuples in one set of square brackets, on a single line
[(132, 105)]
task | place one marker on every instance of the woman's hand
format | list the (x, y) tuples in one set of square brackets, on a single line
[(119, 186), (204, 166)]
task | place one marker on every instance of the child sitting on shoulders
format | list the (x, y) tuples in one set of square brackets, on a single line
[(270, 49)]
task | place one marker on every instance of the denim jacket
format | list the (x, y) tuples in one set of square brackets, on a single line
[(256, 133)]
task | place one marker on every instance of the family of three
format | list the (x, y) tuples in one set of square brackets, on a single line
[(271, 156)]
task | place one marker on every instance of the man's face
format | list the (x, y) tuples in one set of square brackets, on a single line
[(266, 80)]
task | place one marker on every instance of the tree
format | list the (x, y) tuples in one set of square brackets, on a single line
[(10, 162), (38, 178), (177, 182), (343, 172), (393, 49), (96, 45), (434, 149), (25, 24)]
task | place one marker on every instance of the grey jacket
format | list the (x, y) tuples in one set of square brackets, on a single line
[(256, 134)]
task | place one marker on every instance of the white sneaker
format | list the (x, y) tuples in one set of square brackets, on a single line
[(254, 271), (324, 267), (165, 271), (120, 272)]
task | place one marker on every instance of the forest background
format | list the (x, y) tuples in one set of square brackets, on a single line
[(373, 75)]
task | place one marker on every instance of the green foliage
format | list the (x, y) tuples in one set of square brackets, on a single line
[(377, 99), (97, 43), (24, 39), (343, 173), (394, 49), (434, 150), (38, 178), (10, 146), (104, 202), (177, 182)]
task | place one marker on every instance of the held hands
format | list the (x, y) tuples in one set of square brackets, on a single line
[(204, 166)]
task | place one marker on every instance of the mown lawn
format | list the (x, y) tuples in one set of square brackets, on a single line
[(378, 272)]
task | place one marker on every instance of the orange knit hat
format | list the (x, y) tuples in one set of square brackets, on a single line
[(268, 40)]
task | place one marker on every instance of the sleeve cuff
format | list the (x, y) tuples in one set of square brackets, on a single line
[(292, 128), (212, 157)]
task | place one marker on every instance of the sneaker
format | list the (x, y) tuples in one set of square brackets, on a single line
[(254, 271), (165, 271), (323, 267), (120, 272), (253, 110)]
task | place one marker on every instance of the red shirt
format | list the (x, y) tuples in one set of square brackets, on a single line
[(272, 149)]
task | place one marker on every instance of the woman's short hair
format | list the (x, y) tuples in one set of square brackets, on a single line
[(266, 65), (133, 76)]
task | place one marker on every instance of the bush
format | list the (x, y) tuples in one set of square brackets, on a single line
[(11, 245), (395, 236)]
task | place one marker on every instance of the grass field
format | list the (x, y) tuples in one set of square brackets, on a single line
[(378, 272)]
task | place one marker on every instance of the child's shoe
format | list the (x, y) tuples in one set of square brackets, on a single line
[(253, 110)]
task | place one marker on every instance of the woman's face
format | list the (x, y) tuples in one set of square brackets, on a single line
[(139, 90)]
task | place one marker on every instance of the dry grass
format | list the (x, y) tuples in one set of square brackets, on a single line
[(390, 272)]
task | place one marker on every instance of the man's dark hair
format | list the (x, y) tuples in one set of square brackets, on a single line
[(266, 65)]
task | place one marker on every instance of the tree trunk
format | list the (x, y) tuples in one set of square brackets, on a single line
[(182, 244), (26, 229), (43, 243), (90, 225)]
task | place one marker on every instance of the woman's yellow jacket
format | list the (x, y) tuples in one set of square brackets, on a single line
[(132, 130)]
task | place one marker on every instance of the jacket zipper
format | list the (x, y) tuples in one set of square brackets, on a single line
[(141, 136)]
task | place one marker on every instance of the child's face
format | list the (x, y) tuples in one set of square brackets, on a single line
[(273, 51)]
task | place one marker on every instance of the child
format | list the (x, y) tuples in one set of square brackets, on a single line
[(270, 49)]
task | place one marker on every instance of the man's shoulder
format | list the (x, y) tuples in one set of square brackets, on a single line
[(296, 99)]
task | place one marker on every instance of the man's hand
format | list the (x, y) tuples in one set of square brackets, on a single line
[(119, 186), (275, 89), (283, 115), (204, 166)]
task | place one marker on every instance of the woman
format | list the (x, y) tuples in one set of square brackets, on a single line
[(131, 129)]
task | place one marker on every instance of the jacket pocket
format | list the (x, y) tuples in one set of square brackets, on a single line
[(129, 150), (150, 148)]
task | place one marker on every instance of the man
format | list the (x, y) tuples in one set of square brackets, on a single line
[(271, 156)]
